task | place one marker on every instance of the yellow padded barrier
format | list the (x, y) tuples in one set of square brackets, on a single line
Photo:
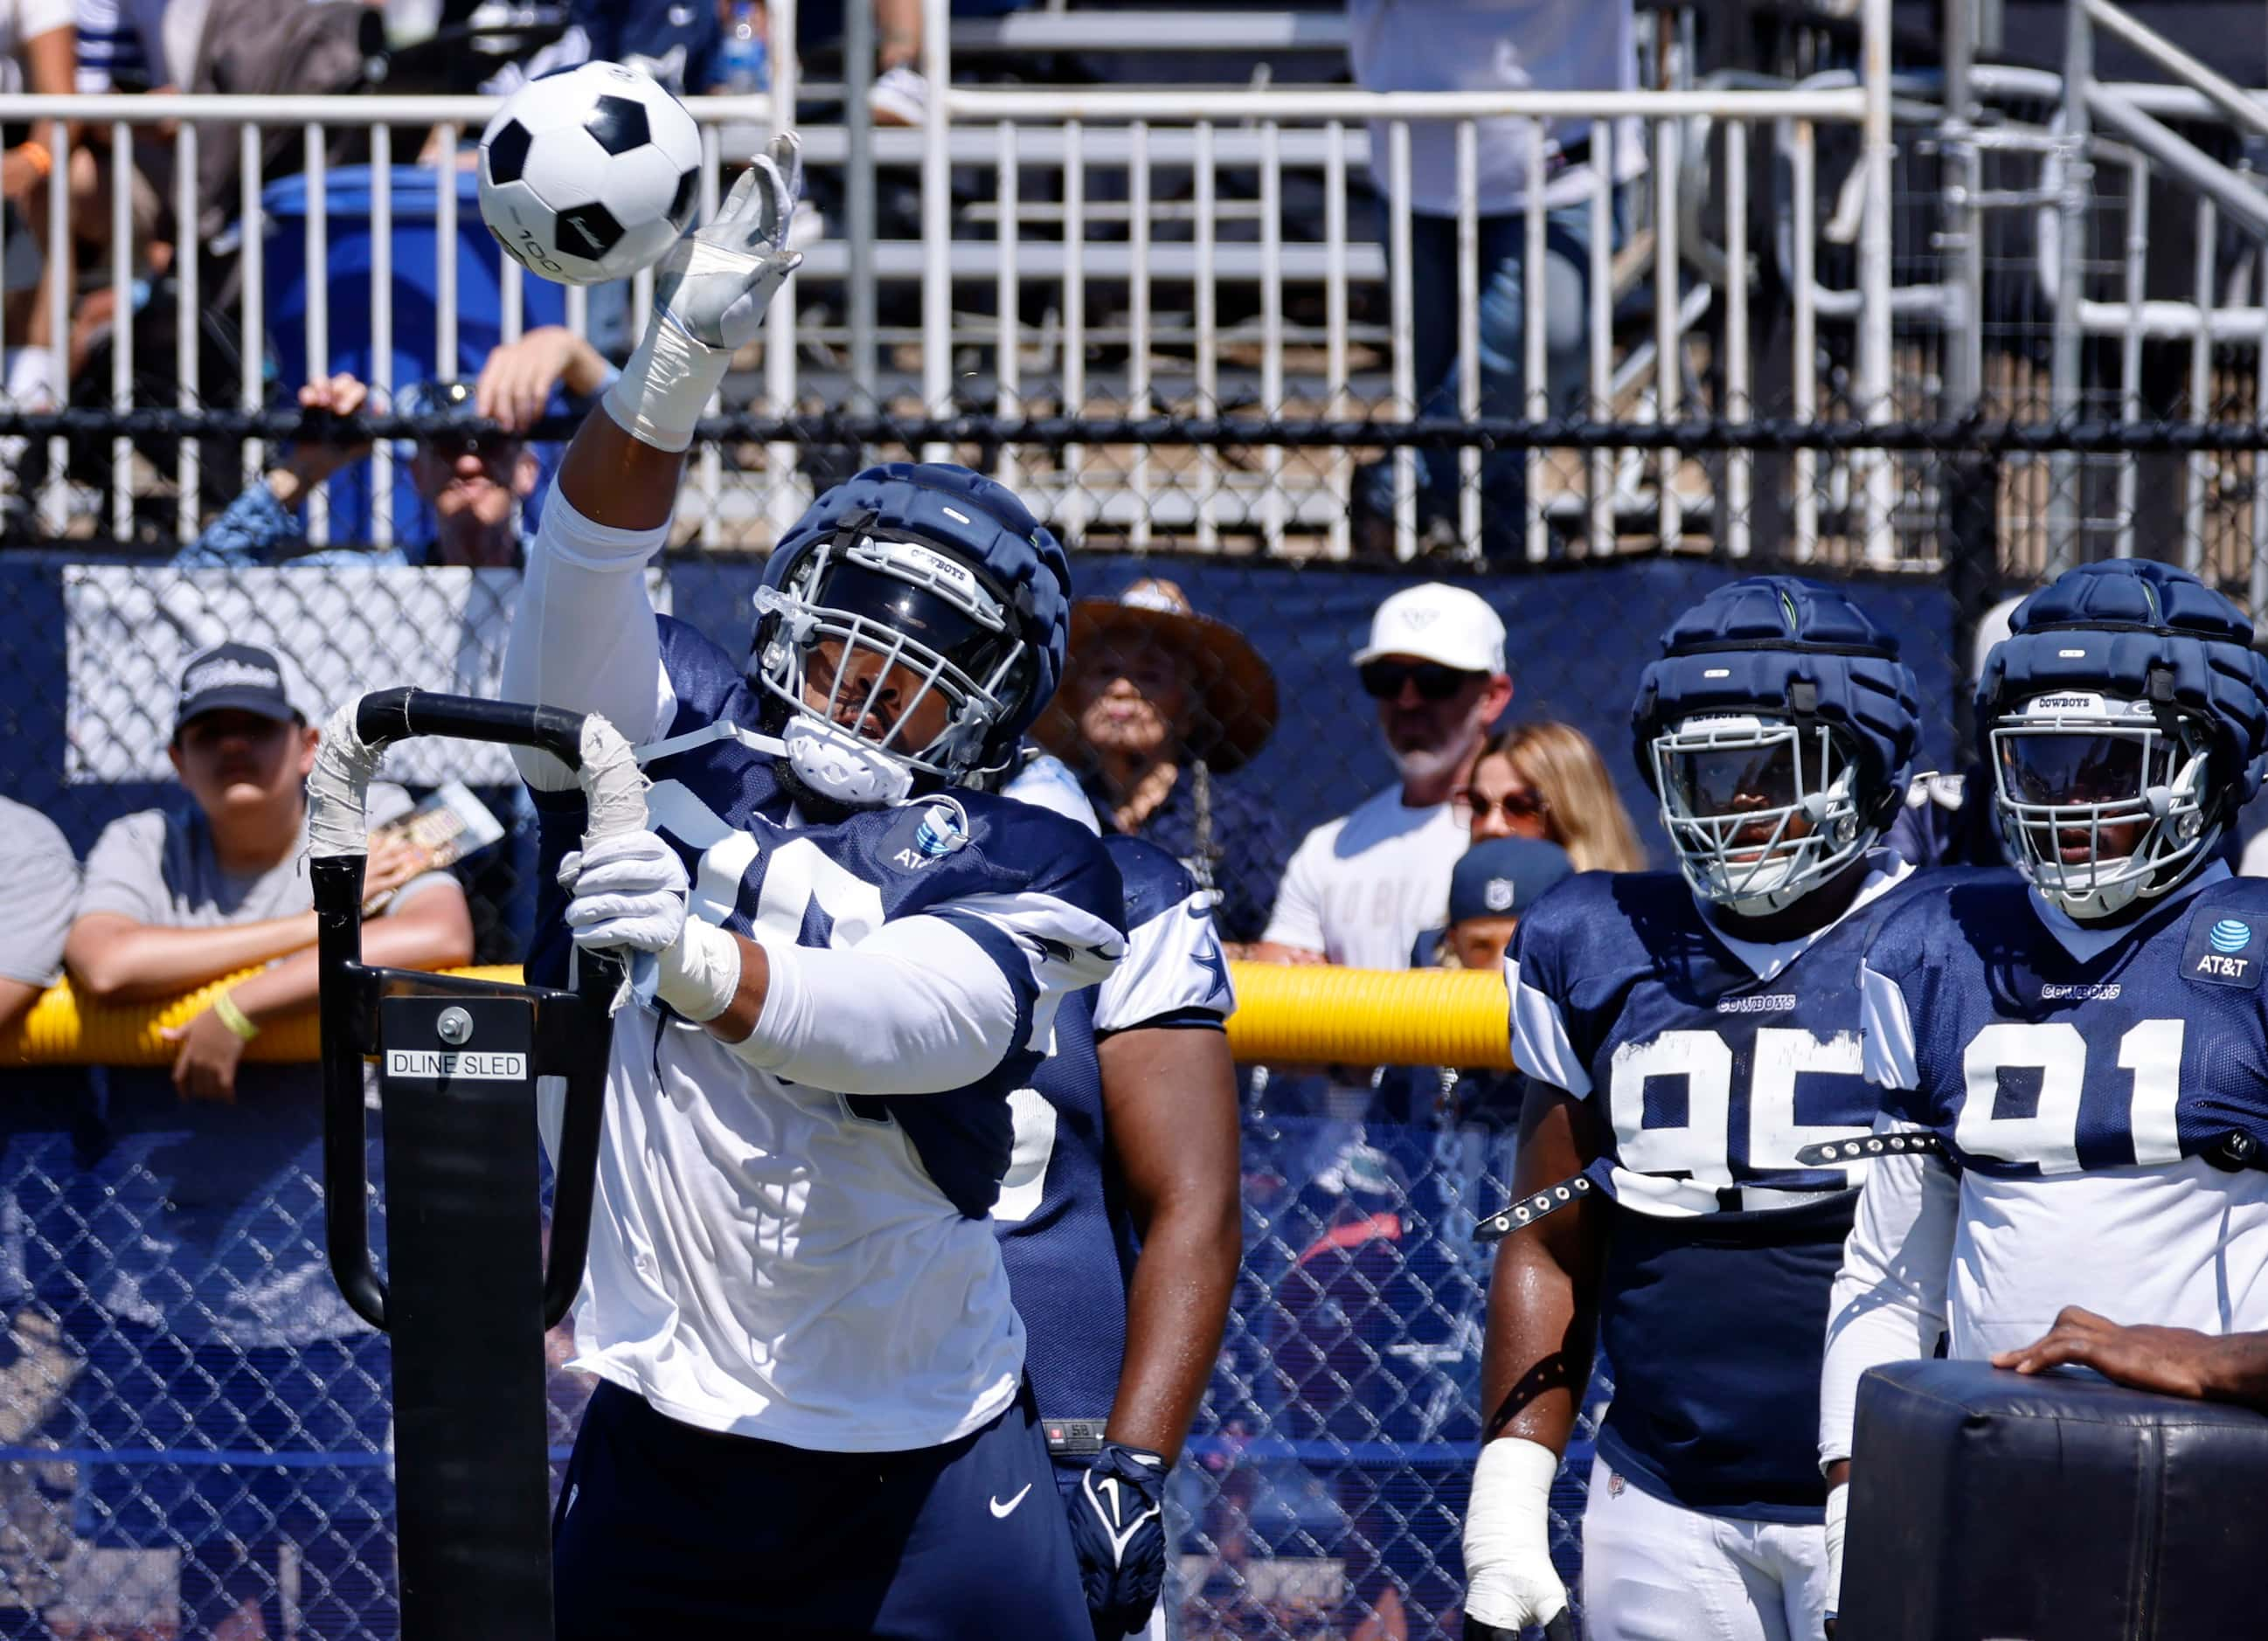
[(59, 1031), (1284, 1014)]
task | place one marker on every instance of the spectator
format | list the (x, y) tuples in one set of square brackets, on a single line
[(1159, 704), (216, 1325), (39, 891), (41, 1110), (900, 94), (1360, 888), (1547, 781), (1475, 45), (677, 44), (126, 45), (475, 482), (38, 53), (1492, 884)]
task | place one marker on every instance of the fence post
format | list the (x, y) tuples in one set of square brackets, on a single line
[(1879, 487), (2068, 356), (1969, 482), (858, 202), (936, 221)]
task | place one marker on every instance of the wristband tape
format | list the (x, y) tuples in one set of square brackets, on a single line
[(230, 1014)]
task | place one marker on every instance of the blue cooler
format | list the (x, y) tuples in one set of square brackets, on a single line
[(417, 284)]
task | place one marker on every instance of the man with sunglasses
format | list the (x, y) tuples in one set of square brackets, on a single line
[(1360, 889), (1684, 1035), (2079, 1049)]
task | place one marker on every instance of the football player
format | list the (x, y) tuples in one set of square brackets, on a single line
[(846, 961), (2081, 1044), (1684, 1035), (1121, 1226)]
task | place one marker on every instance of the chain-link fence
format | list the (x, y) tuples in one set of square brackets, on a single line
[(1212, 350)]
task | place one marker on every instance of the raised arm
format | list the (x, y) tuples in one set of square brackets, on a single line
[(583, 637)]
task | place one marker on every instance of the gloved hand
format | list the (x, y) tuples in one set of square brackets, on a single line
[(1510, 1582), (629, 891), (1839, 1511), (629, 894), (710, 295), (1118, 1527)]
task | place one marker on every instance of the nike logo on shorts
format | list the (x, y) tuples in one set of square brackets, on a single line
[(1000, 1511)]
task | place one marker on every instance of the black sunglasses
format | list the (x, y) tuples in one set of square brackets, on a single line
[(1382, 680)]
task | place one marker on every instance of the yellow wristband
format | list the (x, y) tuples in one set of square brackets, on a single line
[(225, 1008)]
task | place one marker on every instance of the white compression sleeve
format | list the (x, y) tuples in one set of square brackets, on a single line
[(582, 637), (1888, 1298), (915, 1008), (1510, 1580)]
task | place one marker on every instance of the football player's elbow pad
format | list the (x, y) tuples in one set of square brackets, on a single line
[(1510, 1582)]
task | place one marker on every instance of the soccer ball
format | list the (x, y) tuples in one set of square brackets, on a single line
[(590, 175)]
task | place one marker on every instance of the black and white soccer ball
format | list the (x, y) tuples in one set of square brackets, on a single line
[(590, 175)]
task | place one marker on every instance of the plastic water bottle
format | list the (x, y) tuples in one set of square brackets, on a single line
[(747, 59)]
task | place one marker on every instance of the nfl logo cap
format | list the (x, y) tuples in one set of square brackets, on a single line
[(1440, 623), (242, 676), (1504, 877)]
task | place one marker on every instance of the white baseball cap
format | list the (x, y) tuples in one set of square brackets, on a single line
[(1437, 623)]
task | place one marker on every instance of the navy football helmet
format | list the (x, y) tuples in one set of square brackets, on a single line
[(921, 580), (1778, 730), (2126, 719)]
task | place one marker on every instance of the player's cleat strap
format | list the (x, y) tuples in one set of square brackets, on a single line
[(1074, 1439), (1869, 1146), (1529, 1210)]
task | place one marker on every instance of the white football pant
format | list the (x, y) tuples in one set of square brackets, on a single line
[(1657, 1572)]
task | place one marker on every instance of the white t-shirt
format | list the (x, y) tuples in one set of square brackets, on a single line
[(1361, 889), (1494, 45), (28, 19)]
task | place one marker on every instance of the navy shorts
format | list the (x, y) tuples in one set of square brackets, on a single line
[(661, 1526)]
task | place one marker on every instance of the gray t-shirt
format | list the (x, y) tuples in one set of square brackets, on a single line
[(41, 1108), (213, 1212), (39, 891)]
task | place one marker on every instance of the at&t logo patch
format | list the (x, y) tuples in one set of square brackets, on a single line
[(2224, 950)]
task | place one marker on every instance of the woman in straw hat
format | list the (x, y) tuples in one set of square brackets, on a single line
[(1158, 704)]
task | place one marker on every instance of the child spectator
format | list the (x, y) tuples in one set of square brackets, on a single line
[(216, 1325)]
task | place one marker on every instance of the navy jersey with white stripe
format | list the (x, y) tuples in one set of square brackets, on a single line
[(2045, 1054), (1036, 892), (1709, 1062), (804, 1256), (1064, 1231)]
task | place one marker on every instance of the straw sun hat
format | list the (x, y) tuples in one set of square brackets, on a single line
[(1232, 690)]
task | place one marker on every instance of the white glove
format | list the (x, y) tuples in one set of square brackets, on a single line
[(710, 295), (1509, 1580), (629, 891), (629, 894), (1838, 1508)]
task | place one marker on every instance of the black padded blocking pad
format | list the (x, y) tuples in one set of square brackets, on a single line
[(1988, 1506)]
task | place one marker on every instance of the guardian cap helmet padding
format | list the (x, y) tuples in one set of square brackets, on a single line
[(1778, 729), (2125, 719)]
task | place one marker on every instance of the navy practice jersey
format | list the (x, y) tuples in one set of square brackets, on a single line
[(973, 859), (2027, 1059), (1066, 1233), (1708, 1064)]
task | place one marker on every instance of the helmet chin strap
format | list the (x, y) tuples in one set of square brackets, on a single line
[(831, 761)]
